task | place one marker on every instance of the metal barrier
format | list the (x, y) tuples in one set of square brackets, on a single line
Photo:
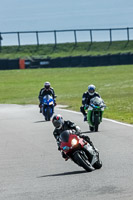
[(55, 32)]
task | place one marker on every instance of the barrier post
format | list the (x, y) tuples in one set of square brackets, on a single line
[(0, 41)]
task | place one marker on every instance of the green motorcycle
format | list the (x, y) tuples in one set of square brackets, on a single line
[(95, 113)]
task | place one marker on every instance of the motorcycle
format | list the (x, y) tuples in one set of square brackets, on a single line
[(48, 107), (79, 151), (95, 113)]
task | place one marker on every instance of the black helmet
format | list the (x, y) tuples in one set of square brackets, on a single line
[(58, 121), (47, 85)]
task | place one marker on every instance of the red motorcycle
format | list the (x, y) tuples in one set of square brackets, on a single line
[(79, 151)]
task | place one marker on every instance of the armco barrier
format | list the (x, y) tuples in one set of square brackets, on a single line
[(77, 61)]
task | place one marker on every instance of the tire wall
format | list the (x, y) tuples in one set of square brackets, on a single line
[(6, 64), (77, 61)]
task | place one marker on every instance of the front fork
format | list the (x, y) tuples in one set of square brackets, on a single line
[(89, 117), (92, 154)]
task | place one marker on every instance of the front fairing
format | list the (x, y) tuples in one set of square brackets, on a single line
[(97, 103), (67, 142), (48, 101), (96, 107)]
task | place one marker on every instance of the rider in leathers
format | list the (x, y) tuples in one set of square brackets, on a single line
[(87, 96), (61, 125), (44, 91)]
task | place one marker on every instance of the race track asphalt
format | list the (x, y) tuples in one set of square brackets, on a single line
[(31, 167)]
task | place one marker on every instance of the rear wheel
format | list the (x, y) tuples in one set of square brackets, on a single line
[(82, 161)]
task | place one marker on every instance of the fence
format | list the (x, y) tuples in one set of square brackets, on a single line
[(55, 33)]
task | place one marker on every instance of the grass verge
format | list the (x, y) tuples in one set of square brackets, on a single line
[(67, 49), (114, 83)]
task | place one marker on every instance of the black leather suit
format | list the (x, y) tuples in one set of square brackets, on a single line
[(86, 100), (44, 92)]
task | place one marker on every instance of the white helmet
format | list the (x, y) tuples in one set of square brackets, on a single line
[(91, 89), (47, 85)]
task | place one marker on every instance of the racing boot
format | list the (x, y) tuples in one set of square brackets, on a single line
[(85, 118), (64, 156)]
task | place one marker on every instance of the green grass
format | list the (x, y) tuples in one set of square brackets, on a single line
[(114, 83), (68, 49)]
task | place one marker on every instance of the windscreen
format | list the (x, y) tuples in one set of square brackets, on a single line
[(96, 101), (65, 136), (47, 97)]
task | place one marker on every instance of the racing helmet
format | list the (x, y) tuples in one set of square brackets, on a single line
[(91, 89), (58, 121), (47, 85)]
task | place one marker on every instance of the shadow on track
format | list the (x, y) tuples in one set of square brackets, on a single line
[(40, 121), (63, 174), (86, 132)]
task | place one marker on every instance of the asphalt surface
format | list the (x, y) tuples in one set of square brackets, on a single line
[(31, 167)]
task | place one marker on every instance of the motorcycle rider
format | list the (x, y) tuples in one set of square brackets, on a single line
[(47, 89), (61, 125), (87, 96)]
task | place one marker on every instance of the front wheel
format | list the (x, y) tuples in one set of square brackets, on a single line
[(96, 120), (98, 164), (47, 113), (96, 128), (91, 128), (82, 161)]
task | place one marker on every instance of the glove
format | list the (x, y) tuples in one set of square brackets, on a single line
[(86, 138), (40, 105), (73, 131), (58, 144), (78, 130), (86, 106), (55, 104), (59, 148), (64, 156)]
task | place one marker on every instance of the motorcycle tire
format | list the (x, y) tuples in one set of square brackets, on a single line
[(98, 164), (96, 128), (91, 128), (47, 114), (81, 161), (96, 123)]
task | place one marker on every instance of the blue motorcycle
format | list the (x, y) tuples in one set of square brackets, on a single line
[(48, 107)]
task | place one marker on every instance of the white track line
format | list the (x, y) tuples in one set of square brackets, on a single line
[(111, 120)]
